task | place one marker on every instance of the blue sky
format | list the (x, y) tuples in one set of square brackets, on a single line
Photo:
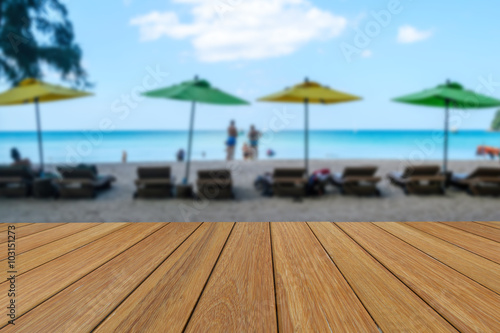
[(255, 47)]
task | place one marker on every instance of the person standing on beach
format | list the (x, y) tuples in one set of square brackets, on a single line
[(254, 136), (231, 141), (180, 155)]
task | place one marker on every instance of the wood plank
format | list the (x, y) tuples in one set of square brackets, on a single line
[(83, 305), (240, 293), (5, 226), (476, 244), (311, 294), (467, 305), (476, 229), (30, 242), (490, 224), (28, 230), (46, 280), (28, 260), (167, 298), (479, 269), (391, 304)]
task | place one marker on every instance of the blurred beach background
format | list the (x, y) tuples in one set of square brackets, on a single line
[(152, 146), (377, 50), (117, 203)]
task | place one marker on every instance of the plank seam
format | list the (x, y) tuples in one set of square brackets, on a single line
[(129, 224), (37, 231), (488, 225), (341, 273), (147, 277), (472, 233), (431, 256), (208, 279), (397, 277), (55, 240), (454, 243), (274, 277), (69, 285), (26, 225)]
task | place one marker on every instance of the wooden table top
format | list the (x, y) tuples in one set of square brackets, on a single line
[(254, 277)]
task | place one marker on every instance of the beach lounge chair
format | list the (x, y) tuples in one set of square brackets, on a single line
[(82, 182), (426, 179), (289, 182), (357, 181), (215, 184), (483, 181), (16, 181), (153, 182)]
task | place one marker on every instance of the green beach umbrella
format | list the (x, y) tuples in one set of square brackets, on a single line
[(195, 91), (449, 95)]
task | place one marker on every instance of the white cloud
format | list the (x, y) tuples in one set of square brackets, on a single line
[(225, 30), (366, 53), (408, 34)]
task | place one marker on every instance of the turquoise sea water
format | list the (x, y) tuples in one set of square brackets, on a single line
[(73, 147)]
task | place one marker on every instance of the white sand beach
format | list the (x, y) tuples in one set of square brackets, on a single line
[(117, 204)]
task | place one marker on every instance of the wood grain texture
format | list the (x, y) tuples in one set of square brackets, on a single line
[(240, 293), (164, 277), (46, 280), (30, 242), (39, 256), (311, 294), (467, 305), (480, 269), (476, 229), (28, 230), (392, 305), (473, 243), (167, 298), (5, 226), (83, 305), (490, 224)]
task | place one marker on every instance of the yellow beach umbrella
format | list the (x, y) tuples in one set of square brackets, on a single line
[(35, 91), (307, 93)]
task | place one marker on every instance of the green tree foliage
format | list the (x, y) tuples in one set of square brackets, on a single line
[(495, 125), (38, 33)]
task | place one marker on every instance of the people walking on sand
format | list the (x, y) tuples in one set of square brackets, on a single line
[(231, 141), (254, 136)]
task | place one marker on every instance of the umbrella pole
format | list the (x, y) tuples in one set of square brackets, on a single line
[(190, 142), (306, 138), (446, 125), (39, 128)]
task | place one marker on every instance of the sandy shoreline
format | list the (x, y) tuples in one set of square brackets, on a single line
[(117, 204)]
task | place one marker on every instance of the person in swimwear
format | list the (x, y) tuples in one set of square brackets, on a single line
[(253, 137), (231, 141)]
